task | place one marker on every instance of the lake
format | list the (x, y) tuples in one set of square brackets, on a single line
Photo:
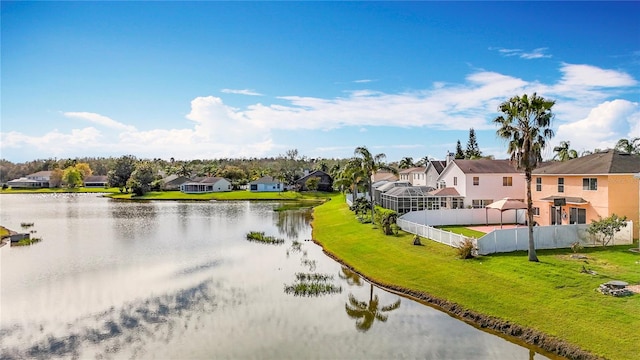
[(179, 280)]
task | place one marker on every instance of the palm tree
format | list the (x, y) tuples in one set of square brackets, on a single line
[(563, 152), (366, 313), (351, 177), (424, 161), (629, 146), (526, 125), (406, 163), (370, 165)]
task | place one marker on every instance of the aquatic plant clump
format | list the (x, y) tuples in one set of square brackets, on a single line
[(312, 284), (259, 236)]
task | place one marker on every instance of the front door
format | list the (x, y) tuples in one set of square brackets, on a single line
[(556, 215)]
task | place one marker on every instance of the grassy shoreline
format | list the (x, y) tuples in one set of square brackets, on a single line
[(550, 301)]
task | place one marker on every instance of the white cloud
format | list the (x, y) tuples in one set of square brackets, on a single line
[(249, 92), (588, 76), (537, 53), (363, 81), (99, 119), (605, 124), (587, 114)]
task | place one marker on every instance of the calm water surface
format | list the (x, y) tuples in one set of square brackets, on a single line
[(178, 280)]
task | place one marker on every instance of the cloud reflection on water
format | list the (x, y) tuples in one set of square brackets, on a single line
[(131, 326)]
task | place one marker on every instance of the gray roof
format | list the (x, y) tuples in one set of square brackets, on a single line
[(96, 178), (486, 166), (266, 180), (606, 162), (439, 165), (211, 180)]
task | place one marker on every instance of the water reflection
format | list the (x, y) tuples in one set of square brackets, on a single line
[(292, 222), (351, 277), (129, 327)]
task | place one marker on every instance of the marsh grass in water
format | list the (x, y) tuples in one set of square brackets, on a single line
[(312, 284), (259, 236)]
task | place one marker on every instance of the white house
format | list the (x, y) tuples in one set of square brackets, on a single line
[(483, 181), (36, 180), (266, 184), (417, 176), (206, 185)]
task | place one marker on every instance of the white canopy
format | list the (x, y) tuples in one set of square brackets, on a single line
[(504, 205)]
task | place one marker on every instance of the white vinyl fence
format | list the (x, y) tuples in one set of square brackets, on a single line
[(546, 237), (465, 217), (429, 232), (508, 240)]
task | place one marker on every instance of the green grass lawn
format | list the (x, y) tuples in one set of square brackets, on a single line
[(463, 231), (551, 296), (60, 190)]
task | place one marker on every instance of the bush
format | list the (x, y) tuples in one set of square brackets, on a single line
[(360, 206), (466, 249), (386, 218), (605, 229)]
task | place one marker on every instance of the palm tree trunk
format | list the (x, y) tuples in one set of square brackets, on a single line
[(371, 199), (532, 244)]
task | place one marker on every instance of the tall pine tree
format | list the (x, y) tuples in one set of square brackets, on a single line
[(459, 151), (473, 150)]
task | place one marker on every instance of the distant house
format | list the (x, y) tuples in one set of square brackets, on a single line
[(325, 183), (580, 190), (35, 180), (266, 184), (481, 182), (95, 181), (383, 176), (417, 176), (206, 185), (173, 182)]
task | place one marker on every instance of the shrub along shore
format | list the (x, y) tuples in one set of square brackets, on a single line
[(552, 304)]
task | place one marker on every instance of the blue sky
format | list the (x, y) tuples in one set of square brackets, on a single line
[(237, 79)]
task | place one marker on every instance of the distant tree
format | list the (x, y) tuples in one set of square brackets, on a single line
[(55, 180), (423, 161), (406, 163), (84, 169), (526, 124), (629, 146), (141, 178), (123, 167), (563, 152), (312, 183), (322, 166), (473, 150), (184, 170), (71, 177), (605, 229), (459, 152)]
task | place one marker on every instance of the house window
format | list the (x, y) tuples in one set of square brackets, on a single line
[(577, 216), (442, 184), (589, 184), (536, 211), (455, 181), (507, 181), (476, 181), (254, 187), (560, 185), (480, 204), (538, 184)]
